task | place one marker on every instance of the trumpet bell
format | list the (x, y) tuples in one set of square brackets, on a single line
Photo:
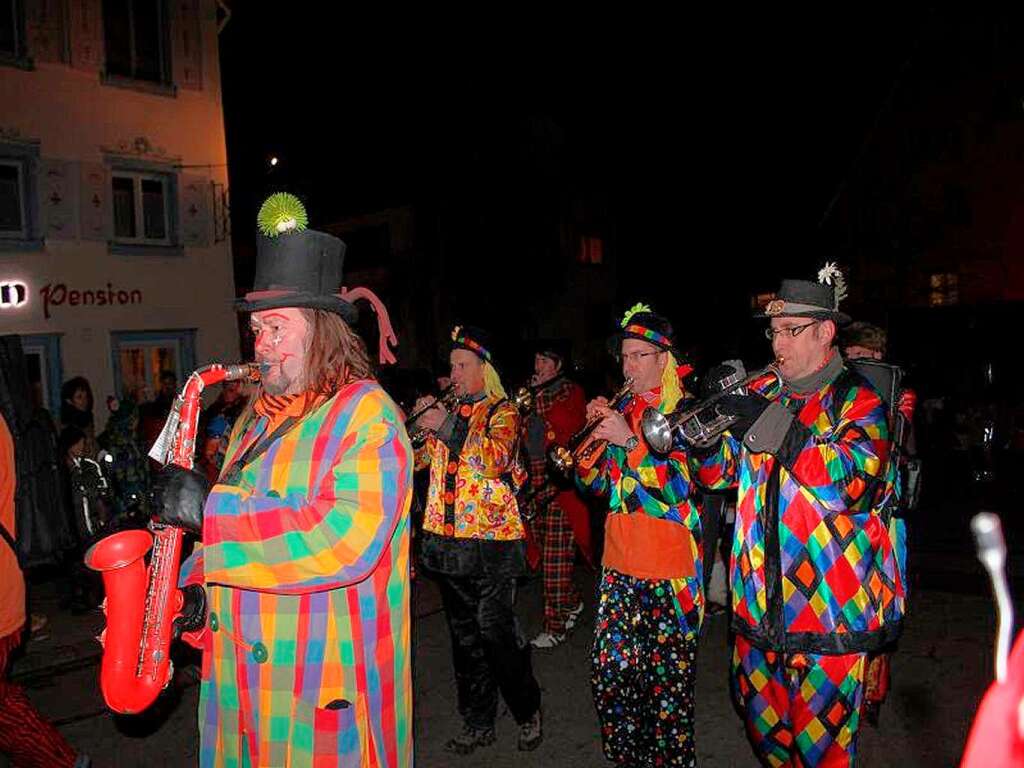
[(562, 459), (523, 399), (657, 430)]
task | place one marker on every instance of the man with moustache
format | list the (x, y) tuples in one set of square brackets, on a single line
[(305, 556)]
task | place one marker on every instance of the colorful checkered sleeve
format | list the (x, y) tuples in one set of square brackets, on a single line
[(838, 463), (719, 471), (597, 479), (296, 543), (665, 478)]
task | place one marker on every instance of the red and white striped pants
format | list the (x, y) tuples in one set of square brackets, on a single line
[(25, 737)]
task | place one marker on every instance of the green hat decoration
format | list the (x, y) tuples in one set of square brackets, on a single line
[(281, 212)]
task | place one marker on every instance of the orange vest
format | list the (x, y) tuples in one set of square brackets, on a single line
[(641, 545)]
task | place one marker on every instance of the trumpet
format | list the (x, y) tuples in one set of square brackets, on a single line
[(523, 399), (702, 424), (448, 397), (583, 450)]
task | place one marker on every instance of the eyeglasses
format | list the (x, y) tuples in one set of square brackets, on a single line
[(635, 357), (793, 330)]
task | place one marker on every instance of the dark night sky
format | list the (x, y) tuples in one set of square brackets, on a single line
[(717, 139)]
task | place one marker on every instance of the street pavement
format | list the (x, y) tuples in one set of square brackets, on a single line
[(941, 669)]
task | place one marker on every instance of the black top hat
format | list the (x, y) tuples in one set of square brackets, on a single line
[(296, 267), (644, 324), (476, 340), (804, 298)]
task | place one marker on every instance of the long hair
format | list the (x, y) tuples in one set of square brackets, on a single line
[(336, 355)]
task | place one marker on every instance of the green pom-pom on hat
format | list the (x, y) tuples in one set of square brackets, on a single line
[(635, 309), (281, 212)]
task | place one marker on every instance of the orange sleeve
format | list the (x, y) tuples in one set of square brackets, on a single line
[(12, 583)]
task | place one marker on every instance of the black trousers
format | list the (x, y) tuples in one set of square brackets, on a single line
[(489, 650)]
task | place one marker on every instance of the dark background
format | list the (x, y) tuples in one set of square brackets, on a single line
[(712, 141)]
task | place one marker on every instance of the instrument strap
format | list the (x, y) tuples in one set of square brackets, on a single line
[(9, 539), (234, 472)]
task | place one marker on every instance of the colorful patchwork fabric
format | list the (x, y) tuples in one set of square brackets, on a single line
[(470, 496), (801, 708), (642, 482), (817, 560), (306, 563)]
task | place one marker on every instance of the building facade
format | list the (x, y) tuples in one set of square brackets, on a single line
[(115, 259)]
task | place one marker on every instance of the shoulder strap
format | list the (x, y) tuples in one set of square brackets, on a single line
[(494, 408), (10, 541), (256, 450)]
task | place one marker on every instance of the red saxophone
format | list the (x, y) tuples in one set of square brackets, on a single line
[(143, 601)]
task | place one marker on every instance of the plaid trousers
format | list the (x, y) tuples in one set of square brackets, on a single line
[(557, 554), (25, 736)]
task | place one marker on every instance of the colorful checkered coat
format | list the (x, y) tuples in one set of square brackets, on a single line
[(642, 482), (817, 562), (306, 564)]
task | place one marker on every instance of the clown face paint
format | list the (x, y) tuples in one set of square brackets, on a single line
[(281, 342)]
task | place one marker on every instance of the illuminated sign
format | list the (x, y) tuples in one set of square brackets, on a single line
[(13, 294), (57, 294)]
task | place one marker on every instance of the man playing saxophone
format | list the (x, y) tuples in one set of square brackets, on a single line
[(817, 564), (650, 604), (305, 557)]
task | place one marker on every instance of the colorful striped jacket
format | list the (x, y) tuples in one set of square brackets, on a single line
[(817, 561), (641, 482), (306, 565)]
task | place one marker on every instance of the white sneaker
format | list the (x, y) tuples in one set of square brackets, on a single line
[(573, 616), (547, 640)]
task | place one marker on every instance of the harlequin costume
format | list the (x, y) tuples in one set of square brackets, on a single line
[(305, 559), (817, 559), (474, 541), (650, 596), (560, 518)]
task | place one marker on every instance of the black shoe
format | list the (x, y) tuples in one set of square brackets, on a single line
[(470, 738), (530, 733)]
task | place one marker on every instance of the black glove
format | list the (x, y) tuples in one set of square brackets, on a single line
[(193, 611), (745, 408), (178, 498), (712, 383)]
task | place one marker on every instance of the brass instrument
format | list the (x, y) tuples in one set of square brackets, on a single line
[(448, 397), (583, 450), (701, 424), (523, 399)]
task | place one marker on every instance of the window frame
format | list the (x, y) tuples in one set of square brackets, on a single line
[(170, 187), (25, 155), (47, 346), (166, 82), (19, 56), (182, 339)]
